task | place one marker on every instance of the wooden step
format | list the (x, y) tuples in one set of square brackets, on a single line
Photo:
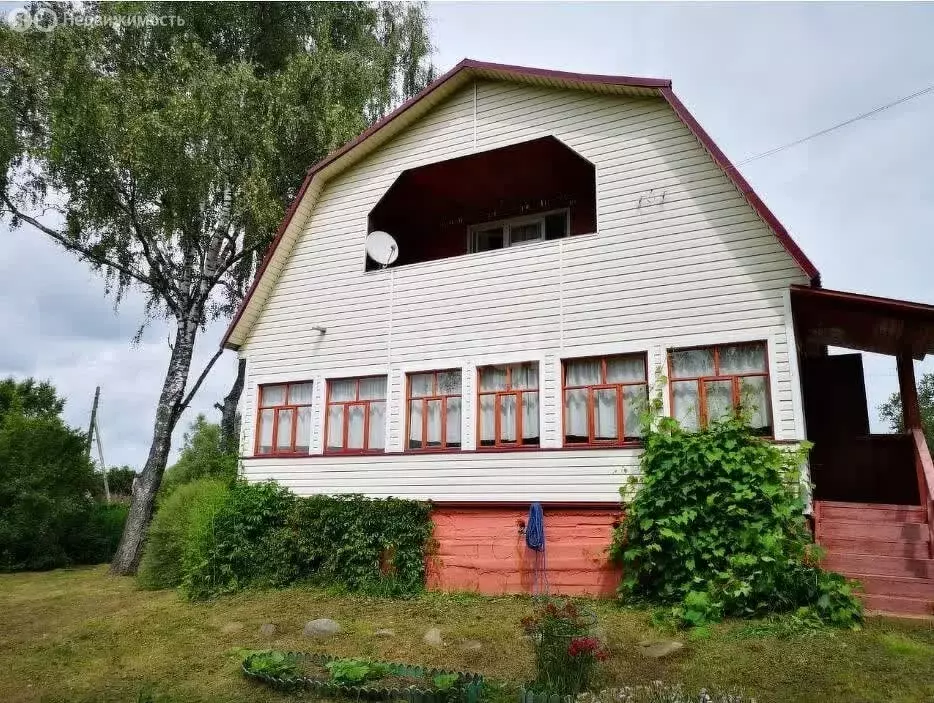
[(913, 549), (883, 531), (896, 605), (902, 586), (869, 512), (848, 564)]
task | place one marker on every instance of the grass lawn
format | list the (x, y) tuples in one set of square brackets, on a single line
[(81, 635)]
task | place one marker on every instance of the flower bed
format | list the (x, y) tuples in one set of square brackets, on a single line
[(363, 679)]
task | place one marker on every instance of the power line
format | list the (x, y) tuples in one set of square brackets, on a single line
[(850, 121)]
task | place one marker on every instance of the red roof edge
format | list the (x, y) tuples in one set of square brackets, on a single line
[(743, 185), (891, 305), (662, 84)]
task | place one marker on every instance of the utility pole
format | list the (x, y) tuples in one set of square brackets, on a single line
[(94, 431)]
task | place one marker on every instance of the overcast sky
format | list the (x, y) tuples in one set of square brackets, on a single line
[(859, 201)]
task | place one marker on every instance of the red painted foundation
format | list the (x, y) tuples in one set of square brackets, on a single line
[(480, 549)]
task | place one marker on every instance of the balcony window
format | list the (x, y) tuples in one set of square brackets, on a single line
[(519, 230)]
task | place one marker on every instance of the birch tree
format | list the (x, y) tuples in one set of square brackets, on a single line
[(164, 156)]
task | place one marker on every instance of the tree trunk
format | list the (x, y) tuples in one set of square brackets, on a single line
[(229, 439), (130, 549)]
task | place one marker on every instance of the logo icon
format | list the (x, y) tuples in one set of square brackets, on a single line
[(43, 19)]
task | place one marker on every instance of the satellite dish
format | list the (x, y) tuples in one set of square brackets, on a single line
[(382, 248)]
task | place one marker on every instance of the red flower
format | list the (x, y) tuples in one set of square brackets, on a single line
[(584, 645)]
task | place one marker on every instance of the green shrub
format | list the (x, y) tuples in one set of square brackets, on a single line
[(46, 484), (94, 539), (362, 544), (170, 532), (242, 543), (263, 535), (202, 456), (717, 528), (120, 481)]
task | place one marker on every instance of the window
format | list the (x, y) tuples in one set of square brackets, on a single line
[(603, 399), (283, 420), (356, 415), (709, 383), (508, 399), (520, 230), (434, 410)]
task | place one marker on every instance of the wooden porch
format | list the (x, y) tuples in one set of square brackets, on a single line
[(873, 505)]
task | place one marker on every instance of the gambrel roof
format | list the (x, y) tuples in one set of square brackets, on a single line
[(410, 111)]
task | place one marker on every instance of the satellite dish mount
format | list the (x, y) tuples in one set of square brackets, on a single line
[(382, 248)]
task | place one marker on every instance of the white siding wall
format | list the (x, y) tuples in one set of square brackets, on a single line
[(679, 259)]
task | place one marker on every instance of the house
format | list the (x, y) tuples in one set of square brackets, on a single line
[(563, 241)]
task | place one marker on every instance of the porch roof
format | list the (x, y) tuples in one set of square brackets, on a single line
[(862, 322)]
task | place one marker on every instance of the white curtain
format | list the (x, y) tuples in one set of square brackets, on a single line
[(719, 397), (525, 377), (335, 427), (575, 414), (493, 378), (742, 358), (273, 395), (373, 388), (635, 403), (415, 424), (265, 430), (754, 396), (284, 430), (433, 430), (487, 419), (691, 363), (356, 424), (300, 394), (377, 433), (530, 416), (604, 414), (686, 404), (453, 426), (582, 372), (343, 390)]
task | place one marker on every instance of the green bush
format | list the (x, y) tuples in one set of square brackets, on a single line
[(717, 528), (120, 481), (242, 543), (46, 484), (362, 544), (263, 535), (95, 538), (202, 456), (171, 532)]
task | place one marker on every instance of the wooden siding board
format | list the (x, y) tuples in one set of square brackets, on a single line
[(645, 279)]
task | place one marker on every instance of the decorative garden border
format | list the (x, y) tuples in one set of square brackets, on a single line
[(467, 690)]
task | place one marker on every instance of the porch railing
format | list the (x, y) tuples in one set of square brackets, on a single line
[(925, 468)]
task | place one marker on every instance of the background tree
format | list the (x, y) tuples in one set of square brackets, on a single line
[(204, 455), (891, 410), (165, 156), (30, 397)]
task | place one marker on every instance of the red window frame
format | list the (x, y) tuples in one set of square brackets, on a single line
[(592, 441), (346, 412), (734, 378), (294, 407), (498, 443), (443, 397)]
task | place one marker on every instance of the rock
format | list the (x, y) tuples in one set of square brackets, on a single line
[(657, 649), (471, 646), (322, 627), (267, 629), (433, 637), (386, 632), (232, 627)]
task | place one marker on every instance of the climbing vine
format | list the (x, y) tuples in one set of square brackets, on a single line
[(717, 528), (264, 535)]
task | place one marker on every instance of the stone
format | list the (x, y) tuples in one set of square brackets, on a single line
[(385, 632), (658, 649), (321, 628), (232, 627), (433, 637), (267, 629), (471, 646)]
